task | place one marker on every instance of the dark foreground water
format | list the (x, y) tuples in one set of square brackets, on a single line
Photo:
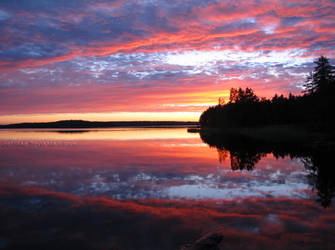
[(158, 189)]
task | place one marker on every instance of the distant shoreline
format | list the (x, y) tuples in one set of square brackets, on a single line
[(95, 124)]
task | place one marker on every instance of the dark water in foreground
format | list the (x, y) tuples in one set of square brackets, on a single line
[(158, 189)]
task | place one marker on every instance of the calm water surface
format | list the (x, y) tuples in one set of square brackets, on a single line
[(150, 188)]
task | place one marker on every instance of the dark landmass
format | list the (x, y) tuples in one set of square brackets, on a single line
[(304, 119), (76, 131), (289, 136), (94, 124)]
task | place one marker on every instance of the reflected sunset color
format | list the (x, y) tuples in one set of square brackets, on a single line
[(96, 134), (166, 178), (134, 163), (167, 125)]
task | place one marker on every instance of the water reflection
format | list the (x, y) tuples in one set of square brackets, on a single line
[(160, 189), (240, 160), (321, 176), (96, 134), (175, 165), (245, 153), (33, 218)]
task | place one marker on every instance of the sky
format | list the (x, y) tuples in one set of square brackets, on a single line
[(153, 60)]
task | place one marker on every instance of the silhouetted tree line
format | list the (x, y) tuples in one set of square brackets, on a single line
[(245, 108)]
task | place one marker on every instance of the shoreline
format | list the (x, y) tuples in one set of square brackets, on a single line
[(275, 134), (80, 124)]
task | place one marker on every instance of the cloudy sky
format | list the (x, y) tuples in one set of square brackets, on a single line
[(152, 59)]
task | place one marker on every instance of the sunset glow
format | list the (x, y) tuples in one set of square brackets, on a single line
[(152, 60), (167, 124)]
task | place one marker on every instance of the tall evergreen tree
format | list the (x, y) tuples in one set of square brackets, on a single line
[(322, 78)]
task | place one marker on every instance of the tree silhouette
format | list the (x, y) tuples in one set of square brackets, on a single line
[(321, 176), (322, 78), (221, 101), (246, 109), (241, 159), (244, 160), (242, 96)]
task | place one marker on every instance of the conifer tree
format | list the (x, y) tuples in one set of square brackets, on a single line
[(322, 78)]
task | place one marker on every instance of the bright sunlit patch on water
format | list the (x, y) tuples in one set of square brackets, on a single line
[(203, 191), (48, 135), (212, 186)]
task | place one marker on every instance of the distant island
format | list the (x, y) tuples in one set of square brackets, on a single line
[(95, 124)]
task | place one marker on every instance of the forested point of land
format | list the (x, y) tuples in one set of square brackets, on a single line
[(314, 108)]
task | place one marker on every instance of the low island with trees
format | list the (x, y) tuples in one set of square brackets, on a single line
[(308, 117), (74, 124)]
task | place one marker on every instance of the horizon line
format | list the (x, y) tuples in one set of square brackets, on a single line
[(101, 116), (118, 121)]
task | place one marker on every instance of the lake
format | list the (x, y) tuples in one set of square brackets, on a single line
[(158, 188)]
